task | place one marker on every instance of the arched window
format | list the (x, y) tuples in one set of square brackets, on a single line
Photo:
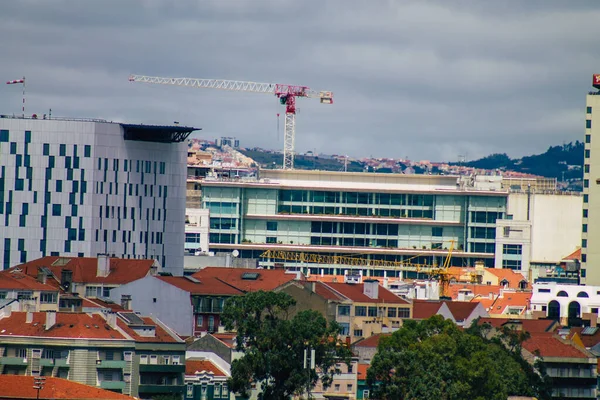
[(582, 294), (523, 285), (562, 293), (504, 282), (554, 310)]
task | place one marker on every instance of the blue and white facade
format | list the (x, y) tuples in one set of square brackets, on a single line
[(80, 188)]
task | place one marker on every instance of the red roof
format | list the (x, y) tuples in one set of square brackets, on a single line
[(512, 277), (548, 345), (511, 299), (325, 291), (228, 338), (477, 289), (575, 256), (362, 371), (15, 280), (192, 367), (461, 310), (423, 309), (267, 279), (98, 303), (206, 285), (589, 336), (160, 335), (371, 341), (355, 292), (528, 325), (68, 325), (121, 270), (21, 387)]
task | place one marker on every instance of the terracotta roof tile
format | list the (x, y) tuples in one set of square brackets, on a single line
[(461, 310), (68, 325), (21, 387), (160, 336), (371, 341), (228, 338), (362, 371), (102, 304), (206, 285), (548, 345), (477, 289), (514, 278), (588, 340), (198, 366), (423, 309), (15, 280), (326, 292), (510, 299), (267, 279), (85, 269), (575, 256), (355, 292), (528, 325)]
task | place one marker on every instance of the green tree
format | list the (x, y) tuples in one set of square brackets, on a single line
[(435, 360), (273, 344)]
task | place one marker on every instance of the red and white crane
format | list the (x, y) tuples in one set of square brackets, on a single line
[(285, 93)]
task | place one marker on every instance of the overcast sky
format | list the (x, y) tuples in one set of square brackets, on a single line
[(424, 79)]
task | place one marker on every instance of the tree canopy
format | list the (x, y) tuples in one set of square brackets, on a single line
[(435, 360), (273, 344)]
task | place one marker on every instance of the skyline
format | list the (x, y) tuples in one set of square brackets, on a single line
[(418, 79)]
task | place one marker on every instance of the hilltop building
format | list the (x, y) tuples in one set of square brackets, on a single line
[(83, 187), (590, 228)]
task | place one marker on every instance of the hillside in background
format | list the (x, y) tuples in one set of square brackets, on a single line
[(556, 161), (274, 160)]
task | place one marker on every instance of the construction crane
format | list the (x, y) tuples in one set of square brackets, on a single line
[(285, 93)]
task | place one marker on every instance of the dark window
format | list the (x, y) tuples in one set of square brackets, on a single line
[(588, 110), (584, 243), (585, 198), (344, 310), (360, 311), (543, 290), (588, 138), (271, 225), (3, 135), (46, 149), (19, 184), (562, 293), (13, 148), (587, 153), (271, 239), (437, 231), (584, 228), (62, 150), (588, 123), (586, 183), (56, 209), (372, 311), (59, 186), (586, 168)]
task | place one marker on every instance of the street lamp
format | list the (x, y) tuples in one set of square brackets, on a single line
[(38, 384)]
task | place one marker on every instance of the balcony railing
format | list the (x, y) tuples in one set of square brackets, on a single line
[(208, 309)]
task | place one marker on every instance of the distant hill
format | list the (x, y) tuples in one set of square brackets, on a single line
[(567, 159), (274, 160)]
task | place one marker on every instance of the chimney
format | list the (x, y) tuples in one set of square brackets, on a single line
[(103, 265), (126, 301), (50, 319), (41, 276), (29, 317), (313, 286), (371, 288), (111, 319)]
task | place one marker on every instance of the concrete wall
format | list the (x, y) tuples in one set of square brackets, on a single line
[(151, 296)]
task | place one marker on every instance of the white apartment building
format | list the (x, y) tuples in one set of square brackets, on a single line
[(83, 187), (563, 301), (590, 228)]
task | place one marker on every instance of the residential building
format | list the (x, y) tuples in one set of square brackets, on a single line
[(362, 391), (196, 230), (205, 380), (122, 352), (79, 188), (23, 387), (21, 292), (343, 384), (572, 369), (462, 313), (590, 227), (188, 305), (90, 277), (383, 216), (526, 325), (570, 304), (365, 349), (508, 303)]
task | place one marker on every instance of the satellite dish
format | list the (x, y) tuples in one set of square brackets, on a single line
[(235, 253)]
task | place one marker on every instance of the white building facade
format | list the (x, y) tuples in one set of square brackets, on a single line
[(83, 187), (563, 301)]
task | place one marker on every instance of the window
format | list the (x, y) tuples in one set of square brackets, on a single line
[(511, 264), (128, 356), (584, 228), (586, 183), (404, 313), (584, 243), (587, 153), (225, 391), (437, 231), (189, 391), (360, 311), (585, 198), (56, 210), (217, 390), (365, 394), (588, 110), (153, 360), (176, 360), (271, 225), (199, 320), (543, 290), (392, 312), (512, 249), (337, 387), (585, 213), (192, 238), (372, 311), (582, 294), (358, 332), (562, 293), (345, 328), (349, 387), (144, 359), (506, 232), (586, 168), (588, 123), (343, 310), (48, 298), (588, 138)]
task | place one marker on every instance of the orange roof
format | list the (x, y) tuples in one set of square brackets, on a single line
[(477, 289), (528, 325), (507, 299), (575, 256), (85, 269), (548, 345), (206, 285), (228, 338), (512, 277), (486, 302), (68, 325), (461, 309), (15, 280), (355, 292), (423, 309), (267, 279), (193, 367), (21, 387), (160, 335), (371, 341)]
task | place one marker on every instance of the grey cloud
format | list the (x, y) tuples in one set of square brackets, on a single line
[(424, 79)]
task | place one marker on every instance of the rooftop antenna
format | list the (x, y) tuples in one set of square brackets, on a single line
[(22, 81)]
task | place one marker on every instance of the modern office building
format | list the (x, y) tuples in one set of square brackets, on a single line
[(590, 228), (375, 216), (83, 187)]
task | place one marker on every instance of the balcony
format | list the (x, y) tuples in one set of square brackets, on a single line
[(13, 361), (216, 309), (167, 389), (111, 364), (112, 385), (162, 368)]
